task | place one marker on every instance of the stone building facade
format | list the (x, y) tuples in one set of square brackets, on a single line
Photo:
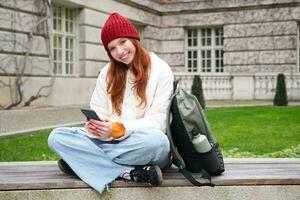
[(238, 47)]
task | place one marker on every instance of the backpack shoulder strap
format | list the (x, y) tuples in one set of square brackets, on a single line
[(174, 151), (187, 174), (175, 84)]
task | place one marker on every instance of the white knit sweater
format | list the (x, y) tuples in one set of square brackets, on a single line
[(158, 92)]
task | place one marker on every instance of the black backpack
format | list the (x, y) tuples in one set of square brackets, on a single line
[(185, 116)]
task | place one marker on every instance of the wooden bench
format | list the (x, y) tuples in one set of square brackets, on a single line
[(244, 179)]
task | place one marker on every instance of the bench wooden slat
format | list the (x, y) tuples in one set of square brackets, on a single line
[(46, 175)]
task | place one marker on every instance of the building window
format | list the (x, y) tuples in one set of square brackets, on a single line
[(204, 50), (64, 40)]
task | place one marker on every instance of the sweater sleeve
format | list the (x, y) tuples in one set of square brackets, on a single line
[(155, 116), (118, 130)]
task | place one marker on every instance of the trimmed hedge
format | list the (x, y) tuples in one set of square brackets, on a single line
[(280, 98), (197, 90)]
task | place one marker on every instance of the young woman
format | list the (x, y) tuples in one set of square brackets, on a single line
[(131, 97)]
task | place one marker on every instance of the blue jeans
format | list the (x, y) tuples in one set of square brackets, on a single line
[(98, 163)]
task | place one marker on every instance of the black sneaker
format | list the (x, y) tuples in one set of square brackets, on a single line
[(64, 167), (147, 174)]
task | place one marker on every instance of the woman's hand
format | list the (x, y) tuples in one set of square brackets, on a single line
[(98, 128)]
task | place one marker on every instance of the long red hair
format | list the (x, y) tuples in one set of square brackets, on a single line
[(116, 77)]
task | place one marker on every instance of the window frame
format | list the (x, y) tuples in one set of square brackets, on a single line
[(199, 48), (63, 34)]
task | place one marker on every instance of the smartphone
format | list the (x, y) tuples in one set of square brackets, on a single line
[(90, 114)]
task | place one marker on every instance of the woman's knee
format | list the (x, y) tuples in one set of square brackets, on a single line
[(155, 139), (56, 136)]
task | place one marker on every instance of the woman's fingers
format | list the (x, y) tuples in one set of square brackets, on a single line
[(91, 128), (99, 124), (99, 128)]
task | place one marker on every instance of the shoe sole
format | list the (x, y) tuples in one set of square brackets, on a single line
[(61, 167), (159, 175)]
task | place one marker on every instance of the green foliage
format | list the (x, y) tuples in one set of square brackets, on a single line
[(197, 90), (280, 98), (292, 152), (259, 130), (26, 147)]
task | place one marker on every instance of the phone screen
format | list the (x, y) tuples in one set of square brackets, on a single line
[(90, 114)]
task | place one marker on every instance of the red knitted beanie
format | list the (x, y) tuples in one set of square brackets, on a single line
[(117, 26)]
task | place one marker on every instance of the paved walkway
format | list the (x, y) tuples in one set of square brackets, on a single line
[(24, 121)]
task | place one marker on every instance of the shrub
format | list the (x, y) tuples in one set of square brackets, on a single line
[(280, 98), (197, 90), (292, 152)]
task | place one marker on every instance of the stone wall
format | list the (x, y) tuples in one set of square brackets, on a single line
[(24, 46), (65, 90), (17, 20), (255, 39), (262, 41)]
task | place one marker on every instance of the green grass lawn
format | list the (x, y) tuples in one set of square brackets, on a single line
[(259, 130), (241, 132), (26, 147)]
